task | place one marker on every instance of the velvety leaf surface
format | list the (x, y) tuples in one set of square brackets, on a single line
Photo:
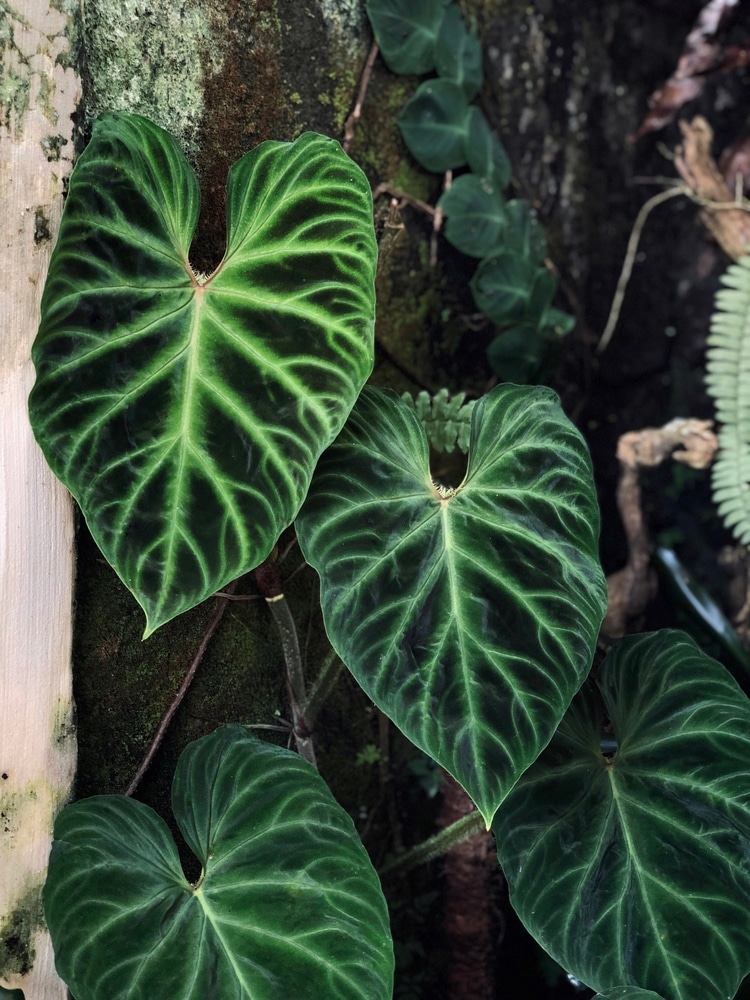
[(288, 904), (433, 124), (407, 31), (186, 415), (627, 993), (475, 215), (635, 868), (469, 616)]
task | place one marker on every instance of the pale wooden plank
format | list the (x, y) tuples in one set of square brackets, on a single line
[(37, 743)]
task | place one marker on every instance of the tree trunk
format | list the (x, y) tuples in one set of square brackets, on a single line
[(37, 741)]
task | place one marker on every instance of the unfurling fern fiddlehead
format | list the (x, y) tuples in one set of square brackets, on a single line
[(728, 382)]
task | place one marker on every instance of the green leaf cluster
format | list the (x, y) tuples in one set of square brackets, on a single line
[(444, 131), (190, 415)]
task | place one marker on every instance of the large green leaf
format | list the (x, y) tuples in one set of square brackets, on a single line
[(635, 867), (407, 32), (287, 905), (186, 414), (433, 123), (469, 616)]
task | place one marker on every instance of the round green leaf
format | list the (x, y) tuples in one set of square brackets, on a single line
[(288, 903), (516, 355), (501, 286), (484, 151), (468, 615), (406, 31), (651, 843), (186, 414), (458, 53), (433, 124), (475, 213)]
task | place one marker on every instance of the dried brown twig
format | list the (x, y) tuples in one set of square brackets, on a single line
[(686, 440)]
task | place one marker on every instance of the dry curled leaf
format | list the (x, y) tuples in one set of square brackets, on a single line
[(701, 56)]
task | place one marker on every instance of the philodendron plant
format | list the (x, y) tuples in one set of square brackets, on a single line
[(193, 418)]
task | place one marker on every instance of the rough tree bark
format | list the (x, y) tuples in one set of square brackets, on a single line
[(37, 742)]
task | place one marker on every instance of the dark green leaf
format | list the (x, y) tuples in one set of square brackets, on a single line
[(475, 213), (501, 286), (186, 415), (433, 124), (525, 235), (288, 904), (407, 31), (696, 600), (633, 868), (543, 288), (469, 616), (517, 354), (557, 322), (10, 994), (458, 54), (484, 151), (627, 993)]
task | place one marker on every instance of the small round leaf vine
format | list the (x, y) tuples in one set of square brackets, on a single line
[(445, 132)]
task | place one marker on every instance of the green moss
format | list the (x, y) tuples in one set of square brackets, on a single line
[(150, 61), (17, 934)]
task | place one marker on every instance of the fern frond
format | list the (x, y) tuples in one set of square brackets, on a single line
[(447, 420), (728, 383)]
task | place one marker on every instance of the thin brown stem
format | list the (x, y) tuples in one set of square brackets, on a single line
[(351, 122), (177, 700)]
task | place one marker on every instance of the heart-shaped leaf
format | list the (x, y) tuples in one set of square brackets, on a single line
[(433, 124), (501, 286), (407, 31), (186, 414), (468, 615), (288, 903), (633, 867), (458, 53), (475, 212)]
